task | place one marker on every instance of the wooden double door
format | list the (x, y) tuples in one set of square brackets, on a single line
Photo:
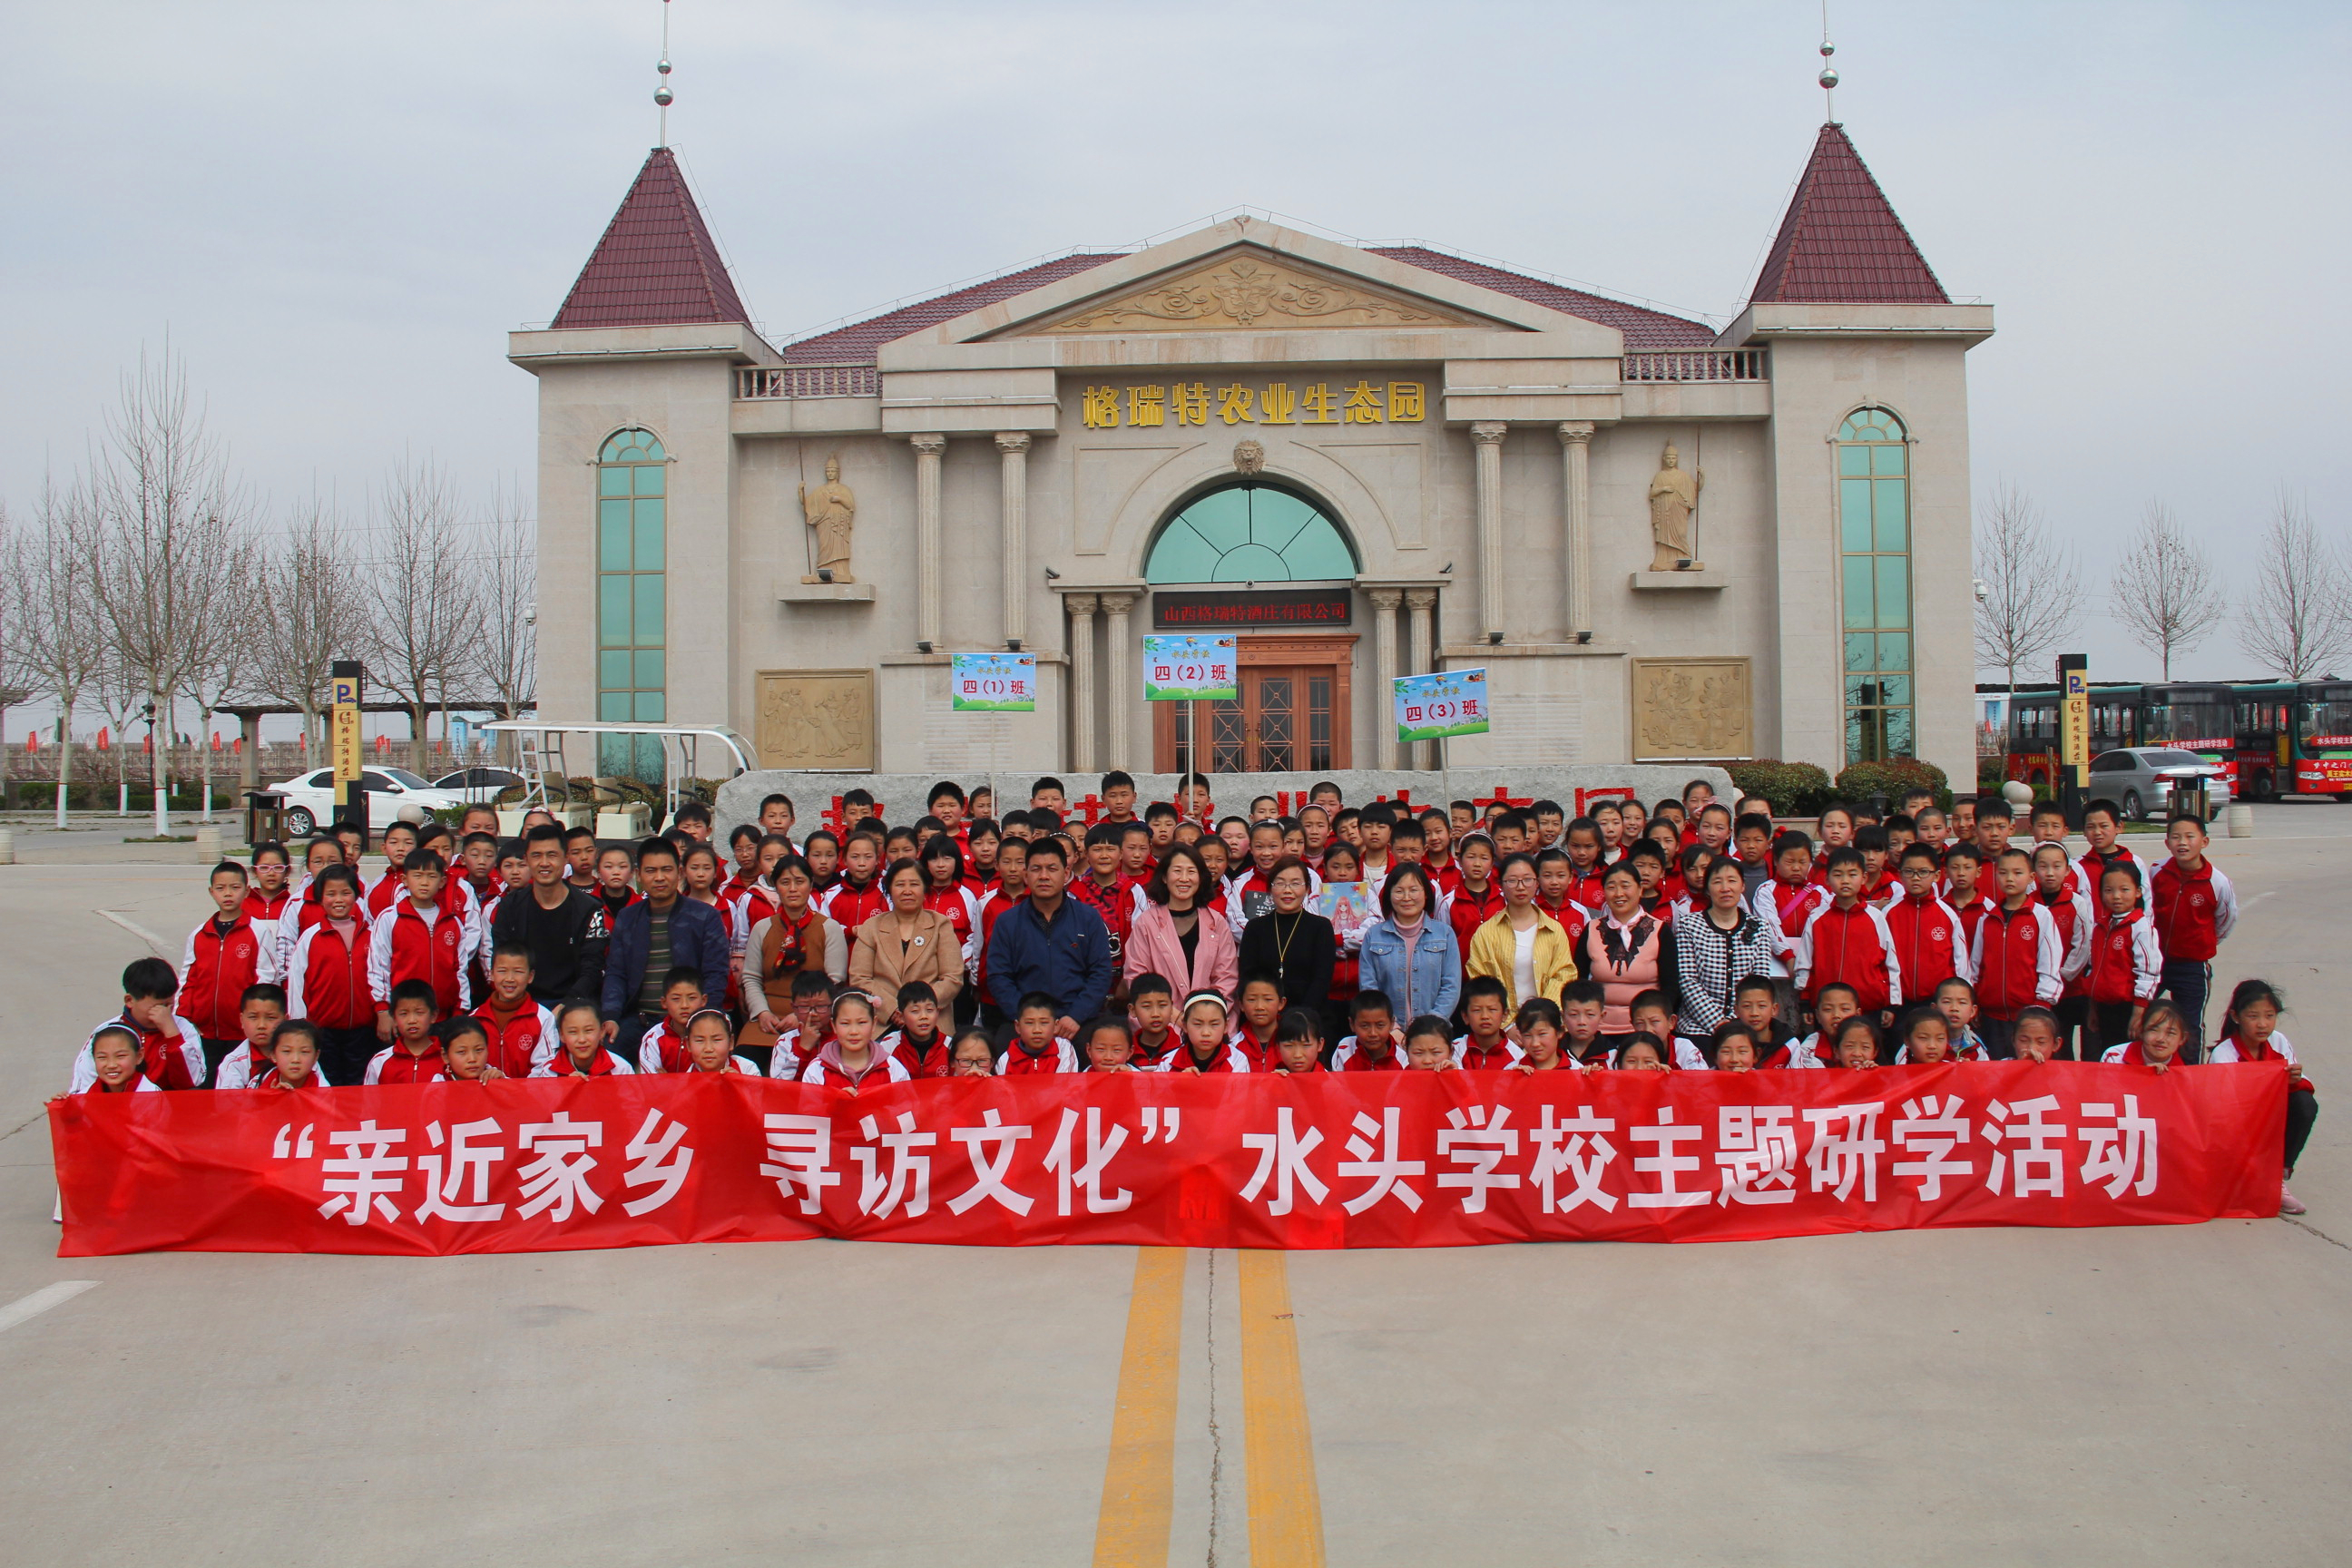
[(1291, 714)]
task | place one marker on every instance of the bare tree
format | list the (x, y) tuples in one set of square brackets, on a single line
[(2164, 590), (53, 623), (316, 613), (2298, 620), (11, 691), (418, 623), (2032, 588), (225, 663), (506, 595), (169, 545)]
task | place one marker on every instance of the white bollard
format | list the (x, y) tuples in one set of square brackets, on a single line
[(2017, 793), (123, 805), (2240, 818), (208, 845), (7, 846)]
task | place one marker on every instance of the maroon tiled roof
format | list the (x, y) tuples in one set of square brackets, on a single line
[(1841, 242), (1645, 331), (656, 265), (856, 343)]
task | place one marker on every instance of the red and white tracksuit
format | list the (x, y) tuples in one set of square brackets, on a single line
[(2016, 954), (219, 964), (2125, 961), (170, 1064), (1930, 943), (603, 1064), (662, 1049), (825, 1068), (1851, 945), (246, 1068), (396, 1064), (524, 1041), (327, 977), (2194, 911), (1058, 1056), (1784, 909), (404, 946)]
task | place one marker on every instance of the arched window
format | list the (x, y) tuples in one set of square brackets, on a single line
[(1250, 534), (632, 685), (1874, 549)]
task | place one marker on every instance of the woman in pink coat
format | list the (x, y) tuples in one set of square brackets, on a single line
[(1176, 936)]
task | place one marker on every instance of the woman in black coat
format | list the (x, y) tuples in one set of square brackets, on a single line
[(1290, 941)]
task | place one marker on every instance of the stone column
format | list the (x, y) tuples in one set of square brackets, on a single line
[(1116, 671), (1014, 545), (1575, 450), (927, 450), (1082, 672), (1488, 437), (1384, 671), (1420, 658)]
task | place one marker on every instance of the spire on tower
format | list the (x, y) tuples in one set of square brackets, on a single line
[(1841, 242), (662, 94)]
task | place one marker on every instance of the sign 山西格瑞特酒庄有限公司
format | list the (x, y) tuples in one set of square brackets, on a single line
[(1266, 609)]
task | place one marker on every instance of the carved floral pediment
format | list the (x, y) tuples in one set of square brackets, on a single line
[(1255, 291)]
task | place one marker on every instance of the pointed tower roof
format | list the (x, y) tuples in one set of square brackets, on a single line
[(1841, 243), (656, 265)]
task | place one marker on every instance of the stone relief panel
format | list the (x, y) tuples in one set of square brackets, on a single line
[(1257, 293), (1692, 709), (816, 718)]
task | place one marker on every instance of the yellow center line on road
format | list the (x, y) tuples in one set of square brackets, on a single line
[(1286, 1505), (1139, 1497)]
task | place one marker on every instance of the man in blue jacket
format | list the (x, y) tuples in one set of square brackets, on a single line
[(660, 930), (1052, 943)]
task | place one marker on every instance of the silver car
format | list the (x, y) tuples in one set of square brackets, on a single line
[(2141, 779)]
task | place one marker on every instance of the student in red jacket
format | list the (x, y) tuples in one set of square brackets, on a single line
[(2016, 954), (264, 901), (520, 1032), (1033, 1048), (1476, 896), (2124, 963), (2250, 1033), (414, 1053), (1966, 888), (1929, 942), (293, 1058), (171, 1051), (423, 937), (2054, 884), (225, 954), (2195, 908), (580, 1028), (399, 842), (327, 976), (263, 1010), (114, 1062), (1847, 939)]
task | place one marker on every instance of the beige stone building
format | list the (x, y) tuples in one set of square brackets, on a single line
[(1662, 542)]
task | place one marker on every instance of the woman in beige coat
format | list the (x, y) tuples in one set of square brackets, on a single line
[(907, 942)]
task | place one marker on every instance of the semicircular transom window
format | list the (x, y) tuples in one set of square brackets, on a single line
[(1250, 534)]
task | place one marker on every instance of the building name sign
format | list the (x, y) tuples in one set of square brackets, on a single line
[(1274, 609), (1275, 403)]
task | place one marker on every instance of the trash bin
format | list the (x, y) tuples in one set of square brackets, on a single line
[(265, 816)]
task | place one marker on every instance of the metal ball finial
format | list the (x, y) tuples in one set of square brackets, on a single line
[(1828, 48), (664, 66), (1829, 78), (663, 96)]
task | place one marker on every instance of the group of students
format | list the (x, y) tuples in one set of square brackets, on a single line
[(1687, 935)]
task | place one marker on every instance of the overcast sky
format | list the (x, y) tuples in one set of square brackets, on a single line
[(337, 211)]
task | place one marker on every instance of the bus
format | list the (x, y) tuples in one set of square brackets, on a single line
[(2295, 738), (2192, 716), (2267, 736)]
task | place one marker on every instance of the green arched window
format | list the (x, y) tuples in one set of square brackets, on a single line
[(1875, 559), (632, 639), (1250, 534)]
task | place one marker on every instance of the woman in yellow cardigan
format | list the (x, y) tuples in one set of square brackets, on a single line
[(1521, 945)]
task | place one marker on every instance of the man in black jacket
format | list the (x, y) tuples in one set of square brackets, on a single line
[(563, 927)]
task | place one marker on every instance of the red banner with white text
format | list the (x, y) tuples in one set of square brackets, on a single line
[(1356, 1160)]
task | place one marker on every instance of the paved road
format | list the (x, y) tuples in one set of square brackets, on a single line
[(2087, 1397)]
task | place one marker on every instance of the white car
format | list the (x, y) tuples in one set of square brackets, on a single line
[(479, 785), (310, 798)]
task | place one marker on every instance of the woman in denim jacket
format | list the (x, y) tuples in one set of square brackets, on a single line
[(1410, 955)]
